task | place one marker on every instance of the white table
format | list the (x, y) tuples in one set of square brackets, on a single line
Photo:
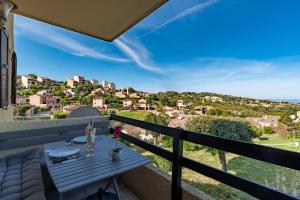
[(71, 175)]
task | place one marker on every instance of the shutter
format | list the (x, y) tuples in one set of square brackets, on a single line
[(13, 78), (4, 69)]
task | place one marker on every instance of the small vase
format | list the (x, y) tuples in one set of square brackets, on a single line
[(115, 155)]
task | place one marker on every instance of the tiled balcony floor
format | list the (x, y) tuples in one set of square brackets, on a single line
[(82, 193)]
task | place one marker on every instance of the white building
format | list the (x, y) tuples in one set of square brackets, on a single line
[(99, 103), (108, 86), (94, 82), (180, 104), (213, 98), (28, 81)]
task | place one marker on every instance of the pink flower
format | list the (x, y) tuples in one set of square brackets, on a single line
[(118, 131)]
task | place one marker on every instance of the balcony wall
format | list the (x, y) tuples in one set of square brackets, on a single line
[(8, 126), (150, 183), (11, 126)]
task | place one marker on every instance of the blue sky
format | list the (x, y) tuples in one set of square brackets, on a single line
[(239, 47)]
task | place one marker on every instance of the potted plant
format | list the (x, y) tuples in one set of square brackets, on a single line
[(115, 153)]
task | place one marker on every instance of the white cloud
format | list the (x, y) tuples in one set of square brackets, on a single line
[(137, 52), (189, 11), (275, 78), (49, 36)]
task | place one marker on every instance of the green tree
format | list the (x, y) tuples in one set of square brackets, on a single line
[(220, 112), (21, 110), (157, 119), (33, 75), (287, 120), (60, 115), (291, 126), (229, 128)]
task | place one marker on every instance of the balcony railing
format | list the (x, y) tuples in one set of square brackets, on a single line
[(263, 153), (39, 135)]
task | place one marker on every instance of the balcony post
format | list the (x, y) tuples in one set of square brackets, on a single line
[(177, 168)]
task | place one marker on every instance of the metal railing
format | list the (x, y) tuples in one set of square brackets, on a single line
[(258, 152)]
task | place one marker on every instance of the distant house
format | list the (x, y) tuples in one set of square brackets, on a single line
[(99, 103), (112, 86), (69, 92), (71, 83), (44, 101), (296, 118), (46, 82), (127, 104), (134, 95), (77, 81), (199, 110), (180, 104), (213, 98), (180, 121), (98, 90), (142, 104), (146, 137), (108, 86), (44, 92), (94, 82), (28, 81), (171, 112), (69, 108), (264, 121), (20, 100), (120, 94), (127, 90)]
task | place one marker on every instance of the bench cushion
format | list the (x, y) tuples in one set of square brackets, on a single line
[(20, 177)]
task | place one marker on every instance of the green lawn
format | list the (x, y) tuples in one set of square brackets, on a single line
[(264, 173), (140, 115), (280, 142)]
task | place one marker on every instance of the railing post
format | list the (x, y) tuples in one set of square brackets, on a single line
[(176, 168)]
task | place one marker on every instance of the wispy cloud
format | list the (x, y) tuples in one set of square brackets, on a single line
[(49, 36), (137, 52), (201, 72), (189, 11)]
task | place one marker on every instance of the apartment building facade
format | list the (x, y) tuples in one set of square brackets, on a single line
[(44, 101), (100, 103), (45, 81), (28, 81)]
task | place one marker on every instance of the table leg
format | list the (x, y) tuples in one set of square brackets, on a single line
[(108, 185), (61, 196), (116, 187)]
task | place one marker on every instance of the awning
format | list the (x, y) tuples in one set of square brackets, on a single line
[(104, 19)]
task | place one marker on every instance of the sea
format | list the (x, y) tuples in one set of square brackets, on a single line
[(292, 101)]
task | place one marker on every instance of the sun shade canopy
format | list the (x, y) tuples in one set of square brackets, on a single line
[(104, 19)]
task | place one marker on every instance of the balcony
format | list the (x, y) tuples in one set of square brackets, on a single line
[(147, 182)]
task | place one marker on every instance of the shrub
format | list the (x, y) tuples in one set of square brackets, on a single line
[(263, 138), (104, 112), (112, 111), (166, 142), (268, 130), (60, 115), (162, 164), (189, 146), (258, 132), (22, 110)]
